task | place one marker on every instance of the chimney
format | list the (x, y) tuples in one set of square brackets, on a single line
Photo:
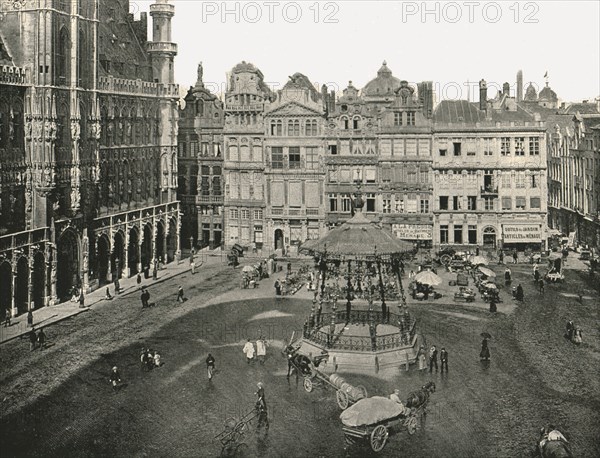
[(520, 86), (506, 89), (482, 95), (325, 96)]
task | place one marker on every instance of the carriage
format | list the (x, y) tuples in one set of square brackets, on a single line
[(346, 394), (373, 420), (234, 432)]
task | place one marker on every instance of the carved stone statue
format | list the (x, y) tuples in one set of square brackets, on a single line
[(28, 127), (200, 72), (75, 199), (75, 129)]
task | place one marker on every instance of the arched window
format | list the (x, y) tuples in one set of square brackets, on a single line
[(293, 128), (62, 57), (82, 60), (277, 128), (355, 122)]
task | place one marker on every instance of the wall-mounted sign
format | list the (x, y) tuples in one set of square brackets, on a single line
[(413, 231), (522, 233)]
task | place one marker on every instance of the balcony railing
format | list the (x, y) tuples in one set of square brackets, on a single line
[(138, 87), (489, 190), (13, 75), (163, 46), (295, 212), (209, 199)]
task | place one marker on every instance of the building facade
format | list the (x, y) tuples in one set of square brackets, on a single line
[(489, 174), (200, 188), (246, 100), (87, 147)]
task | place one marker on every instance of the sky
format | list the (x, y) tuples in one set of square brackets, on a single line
[(453, 44)]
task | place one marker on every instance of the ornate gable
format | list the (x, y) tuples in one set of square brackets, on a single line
[(292, 109)]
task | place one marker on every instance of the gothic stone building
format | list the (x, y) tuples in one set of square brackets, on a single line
[(88, 126)]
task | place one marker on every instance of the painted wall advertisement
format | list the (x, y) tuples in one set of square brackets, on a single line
[(413, 231), (522, 233)]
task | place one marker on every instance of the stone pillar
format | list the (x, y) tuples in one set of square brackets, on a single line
[(125, 261), (13, 307), (30, 304), (48, 276), (178, 240), (85, 280)]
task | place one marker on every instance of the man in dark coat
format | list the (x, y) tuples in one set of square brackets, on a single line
[(444, 359), (520, 295), (42, 339), (32, 339), (433, 358)]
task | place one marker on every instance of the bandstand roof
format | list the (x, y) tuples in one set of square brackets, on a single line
[(357, 238)]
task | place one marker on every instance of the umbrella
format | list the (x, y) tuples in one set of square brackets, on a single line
[(486, 335), (479, 260), (487, 272), (248, 269), (491, 286), (428, 278), (370, 411)]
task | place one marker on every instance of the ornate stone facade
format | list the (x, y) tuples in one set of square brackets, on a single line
[(87, 137)]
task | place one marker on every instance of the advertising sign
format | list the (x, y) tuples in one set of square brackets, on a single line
[(522, 233), (413, 231)]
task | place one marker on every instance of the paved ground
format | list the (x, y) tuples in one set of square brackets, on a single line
[(58, 402)]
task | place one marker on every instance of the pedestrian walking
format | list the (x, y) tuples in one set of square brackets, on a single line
[(138, 280), (260, 393), (192, 266), (515, 256), (263, 416), (261, 350), (107, 296), (520, 295), (41, 338), (541, 285), (484, 354), (507, 276), (501, 256), (7, 318), (444, 359), (433, 358), (422, 359), (81, 300), (32, 339), (210, 366), (493, 307), (277, 286), (249, 351), (30, 319), (114, 378), (143, 298), (180, 297), (117, 286)]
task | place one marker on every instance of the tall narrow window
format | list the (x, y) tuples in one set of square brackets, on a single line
[(82, 59), (410, 118), (62, 57)]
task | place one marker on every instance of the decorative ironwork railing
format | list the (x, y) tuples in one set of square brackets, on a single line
[(317, 332)]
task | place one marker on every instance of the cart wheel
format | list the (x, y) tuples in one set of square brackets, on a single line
[(363, 391), (445, 259), (342, 399), (411, 425), (378, 437), (308, 384)]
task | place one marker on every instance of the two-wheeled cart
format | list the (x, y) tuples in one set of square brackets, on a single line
[(234, 433)]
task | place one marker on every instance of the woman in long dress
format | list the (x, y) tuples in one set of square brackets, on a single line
[(485, 351)]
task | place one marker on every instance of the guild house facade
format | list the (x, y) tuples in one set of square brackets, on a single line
[(88, 147)]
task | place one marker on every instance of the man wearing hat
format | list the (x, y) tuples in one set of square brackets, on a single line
[(395, 396), (444, 359)]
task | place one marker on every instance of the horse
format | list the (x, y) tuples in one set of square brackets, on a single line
[(552, 444), (420, 397)]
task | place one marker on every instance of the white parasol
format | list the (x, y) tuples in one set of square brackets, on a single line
[(248, 269), (427, 277), (487, 272)]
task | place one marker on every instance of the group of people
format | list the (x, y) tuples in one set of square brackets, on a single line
[(260, 351), (149, 359), (36, 340), (433, 359), (573, 334)]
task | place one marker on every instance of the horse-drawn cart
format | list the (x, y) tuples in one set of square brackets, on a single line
[(346, 394), (373, 420)]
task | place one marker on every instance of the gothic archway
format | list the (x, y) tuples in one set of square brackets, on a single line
[(171, 241), (22, 286), (146, 251), (38, 280), (118, 255), (160, 241), (132, 251), (103, 247), (5, 287), (67, 268)]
